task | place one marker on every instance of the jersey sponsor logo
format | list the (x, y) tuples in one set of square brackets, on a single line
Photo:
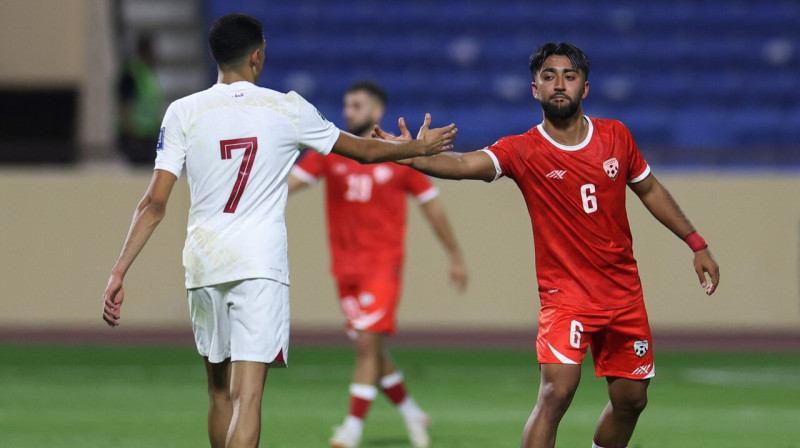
[(640, 348), (556, 174), (160, 144), (611, 167), (642, 370), (382, 174)]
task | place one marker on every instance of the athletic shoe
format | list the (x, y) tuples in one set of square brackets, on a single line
[(344, 438), (418, 430)]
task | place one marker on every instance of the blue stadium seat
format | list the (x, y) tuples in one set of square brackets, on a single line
[(688, 77)]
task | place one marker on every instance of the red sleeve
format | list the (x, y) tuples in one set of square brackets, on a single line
[(638, 169), (504, 155), (310, 167), (419, 185)]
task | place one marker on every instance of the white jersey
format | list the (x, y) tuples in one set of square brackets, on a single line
[(238, 143)]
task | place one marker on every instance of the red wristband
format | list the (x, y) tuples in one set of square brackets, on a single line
[(695, 241)]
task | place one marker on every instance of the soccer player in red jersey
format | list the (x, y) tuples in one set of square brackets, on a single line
[(366, 211), (572, 171)]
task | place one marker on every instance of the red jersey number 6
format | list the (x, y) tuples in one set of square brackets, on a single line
[(226, 148)]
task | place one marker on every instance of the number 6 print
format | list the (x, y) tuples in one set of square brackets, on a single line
[(575, 330), (226, 148)]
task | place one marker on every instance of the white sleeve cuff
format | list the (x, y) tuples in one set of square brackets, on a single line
[(166, 166), (497, 170), (427, 195), (303, 175), (641, 177)]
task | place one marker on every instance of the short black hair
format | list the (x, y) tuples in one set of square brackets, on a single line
[(575, 55), (371, 88), (232, 37)]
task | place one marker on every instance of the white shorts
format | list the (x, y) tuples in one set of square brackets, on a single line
[(246, 320)]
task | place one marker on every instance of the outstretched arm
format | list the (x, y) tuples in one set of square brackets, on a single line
[(448, 165), (664, 208), (296, 184), (437, 218), (370, 150), (148, 214)]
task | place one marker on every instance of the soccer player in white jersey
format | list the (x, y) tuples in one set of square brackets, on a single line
[(238, 143)]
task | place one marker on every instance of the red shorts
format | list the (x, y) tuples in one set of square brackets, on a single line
[(620, 339), (369, 302)]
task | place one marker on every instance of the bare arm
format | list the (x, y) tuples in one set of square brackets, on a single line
[(296, 184), (437, 218), (475, 165), (449, 165), (148, 215), (370, 150), (663, 207)]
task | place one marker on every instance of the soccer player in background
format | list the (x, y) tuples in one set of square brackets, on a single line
[(366, 210), (237, 143), (572, 171)]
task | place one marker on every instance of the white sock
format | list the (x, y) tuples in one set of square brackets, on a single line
[(354, 425), (409, 408), (391, 379), (594, 445)]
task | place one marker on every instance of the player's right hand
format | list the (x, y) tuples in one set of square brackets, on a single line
[(405, 134), (112, 301), (436, 140)]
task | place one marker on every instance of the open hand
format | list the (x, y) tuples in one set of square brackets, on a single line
[(405, 134), (112, 301), (704, 263), (434, 140)]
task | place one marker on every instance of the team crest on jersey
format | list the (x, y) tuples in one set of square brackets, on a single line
[(640, 348), (382, 174), (611, 166), (339, 168), (160, 144)]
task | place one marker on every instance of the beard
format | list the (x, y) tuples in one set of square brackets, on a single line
[(562, 110), (360, 128)]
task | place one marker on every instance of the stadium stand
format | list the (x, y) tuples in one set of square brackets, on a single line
[(710, 82)]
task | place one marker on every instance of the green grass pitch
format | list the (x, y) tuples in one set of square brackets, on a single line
[(64, 397)]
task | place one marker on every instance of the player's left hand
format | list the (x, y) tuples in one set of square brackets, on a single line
[(112, 301), (458, 273), (704, 263)]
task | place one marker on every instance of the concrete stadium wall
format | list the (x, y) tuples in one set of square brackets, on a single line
[(62, 230)]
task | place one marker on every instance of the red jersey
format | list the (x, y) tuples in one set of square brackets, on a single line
[(576, 200), (366, 209)]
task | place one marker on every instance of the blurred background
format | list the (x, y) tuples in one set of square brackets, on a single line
[(709, 89)]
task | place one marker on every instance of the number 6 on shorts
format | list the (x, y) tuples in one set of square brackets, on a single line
[(575, 331)]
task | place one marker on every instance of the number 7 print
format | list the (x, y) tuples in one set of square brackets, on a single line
[(226, 148)]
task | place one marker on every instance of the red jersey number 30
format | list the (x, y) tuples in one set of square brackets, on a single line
[(250, 147)]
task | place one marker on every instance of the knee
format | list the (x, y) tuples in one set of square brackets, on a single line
[(555, 398), (219, 396), (633, 403), (637, 404)]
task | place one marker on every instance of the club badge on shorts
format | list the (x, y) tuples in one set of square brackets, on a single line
[(640, 348), (611, 166)]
